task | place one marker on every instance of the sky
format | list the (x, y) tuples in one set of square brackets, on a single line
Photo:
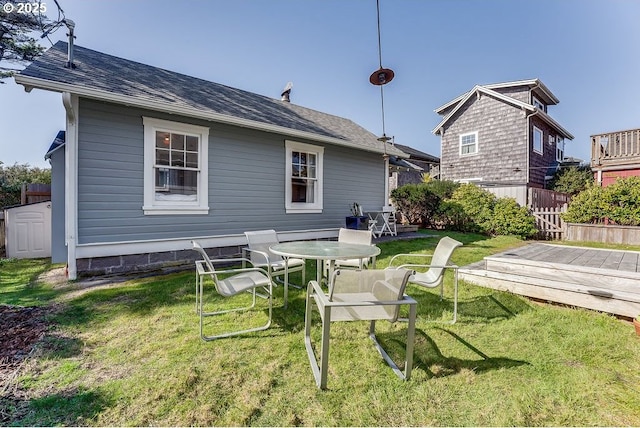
[(587, 52)]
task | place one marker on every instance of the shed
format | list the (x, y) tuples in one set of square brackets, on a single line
[(28, 230)]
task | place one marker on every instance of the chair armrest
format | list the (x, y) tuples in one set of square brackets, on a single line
[(408, 255), (202, 269), (429, 266), (261, 253)]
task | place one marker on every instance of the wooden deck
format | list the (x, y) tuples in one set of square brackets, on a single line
[(602, 280)]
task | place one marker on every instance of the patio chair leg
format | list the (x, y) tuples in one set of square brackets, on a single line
[(408, 362)]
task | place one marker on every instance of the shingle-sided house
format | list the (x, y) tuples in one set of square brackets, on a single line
[(501, 135), (154, 158)]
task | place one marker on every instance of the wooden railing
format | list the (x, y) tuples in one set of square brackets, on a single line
[(615, 147)]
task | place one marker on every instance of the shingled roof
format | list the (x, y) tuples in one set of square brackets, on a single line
[(105, 77)]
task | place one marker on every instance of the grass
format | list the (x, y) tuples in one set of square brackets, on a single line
[(130, 354)]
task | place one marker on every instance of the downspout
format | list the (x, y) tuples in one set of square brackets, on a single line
[(70, 103)]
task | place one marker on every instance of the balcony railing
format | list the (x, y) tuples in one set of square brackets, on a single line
[(615, 147)]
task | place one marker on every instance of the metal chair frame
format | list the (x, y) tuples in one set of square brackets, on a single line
[(434, 276), (355, 306), (241, 280), (277, 266)]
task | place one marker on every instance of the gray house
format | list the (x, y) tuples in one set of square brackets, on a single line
[(501, 136), (154, 158)]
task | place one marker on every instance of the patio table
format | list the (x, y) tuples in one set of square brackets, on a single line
[(323, 250)]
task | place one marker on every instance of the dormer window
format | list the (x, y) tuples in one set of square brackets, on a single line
[(538, 104)]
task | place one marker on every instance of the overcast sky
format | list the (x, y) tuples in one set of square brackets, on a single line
[(587, 52)]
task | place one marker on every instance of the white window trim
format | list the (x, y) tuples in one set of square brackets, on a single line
[(537, 103), (533, 141), (153, 207), (475, 134), (297, 207)]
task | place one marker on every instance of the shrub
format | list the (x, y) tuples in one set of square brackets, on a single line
[(419, 202), (618, 203), (477, 204), (14, 176), (623, 201), (572, 180), (509, 218)]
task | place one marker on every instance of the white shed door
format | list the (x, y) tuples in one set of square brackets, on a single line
[(29, 231)]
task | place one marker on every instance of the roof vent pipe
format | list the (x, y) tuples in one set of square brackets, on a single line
[(286, 92), (70, 25)]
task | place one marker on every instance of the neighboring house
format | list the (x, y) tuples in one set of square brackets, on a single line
[(427, 166), (501, 137), (615, 155), (154, 159)]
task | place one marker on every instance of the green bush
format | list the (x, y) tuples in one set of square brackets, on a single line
[(618, 203), (572, 180), (623, 198), (13, 177), (463, 208), (509, 218), (419, 203), (477, 204)]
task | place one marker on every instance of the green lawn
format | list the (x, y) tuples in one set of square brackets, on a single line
[(130, 354)]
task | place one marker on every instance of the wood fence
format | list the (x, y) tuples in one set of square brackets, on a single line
[(32, 193), (549, 222), (543, 198)]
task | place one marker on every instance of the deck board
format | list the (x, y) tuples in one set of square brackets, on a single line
[(594, 278)]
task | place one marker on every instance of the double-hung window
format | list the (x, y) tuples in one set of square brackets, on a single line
[(537, 140), (303, 180), (175, 167), (469, 143)]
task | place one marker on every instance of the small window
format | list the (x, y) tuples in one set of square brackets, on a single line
[(175, 175), (537, 140), (469, 143), (559, 148), (537, 104), (304, 181)]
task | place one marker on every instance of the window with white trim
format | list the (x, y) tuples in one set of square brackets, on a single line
[(537, 139), (559, 148), (175, 167), (538, 104), (303, 181), (469, 143)]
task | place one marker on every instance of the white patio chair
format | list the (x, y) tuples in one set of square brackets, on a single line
[(258, 252), (241, 280), (352, 236), (376, 223), (434, 276), (389, 218), (356, 295)]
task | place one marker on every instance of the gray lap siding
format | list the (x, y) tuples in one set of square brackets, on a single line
[(246, 179)]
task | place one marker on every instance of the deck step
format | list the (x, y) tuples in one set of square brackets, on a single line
[(606, 280), (569, 286)]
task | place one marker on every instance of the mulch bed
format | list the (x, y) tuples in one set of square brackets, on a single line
[(20, 329)]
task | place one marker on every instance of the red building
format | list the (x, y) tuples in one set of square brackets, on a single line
[(615, 155)]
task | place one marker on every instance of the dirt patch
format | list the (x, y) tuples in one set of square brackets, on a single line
[(21, 328)]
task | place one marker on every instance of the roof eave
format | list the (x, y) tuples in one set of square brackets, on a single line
[(149, 103), (551, 121), (487, 91)]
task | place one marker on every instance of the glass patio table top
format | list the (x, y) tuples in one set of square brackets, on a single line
[(324, 250)]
